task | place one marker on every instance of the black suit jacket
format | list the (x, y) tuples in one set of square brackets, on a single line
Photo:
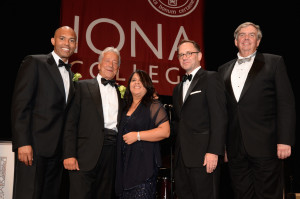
[(39, 105), (200, 121), (84, 131), (265, 112)]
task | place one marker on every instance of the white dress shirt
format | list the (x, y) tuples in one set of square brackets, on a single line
[(187, 83), (64, 74), (110, 104), (239, 75)]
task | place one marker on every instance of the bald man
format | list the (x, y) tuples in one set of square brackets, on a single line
[(42, 94)]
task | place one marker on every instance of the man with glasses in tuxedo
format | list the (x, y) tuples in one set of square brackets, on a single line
[(200, 120)]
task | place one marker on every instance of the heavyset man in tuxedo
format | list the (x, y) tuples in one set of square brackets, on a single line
[(42, 94), (261, 110), (90, 132), (200, 122)]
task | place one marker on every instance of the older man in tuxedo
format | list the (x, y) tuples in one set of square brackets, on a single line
[(91, 130), (261, 109)]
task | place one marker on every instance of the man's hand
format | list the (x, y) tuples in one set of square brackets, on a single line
[(25, 154), (210, 161), (225, 156), (283, 151), (71, 164)]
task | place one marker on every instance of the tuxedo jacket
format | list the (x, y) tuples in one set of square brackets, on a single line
[(84, 131), (200, 121), (39, 105), (265, 112)]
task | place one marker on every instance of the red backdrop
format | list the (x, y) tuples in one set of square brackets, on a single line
[(146, 33)]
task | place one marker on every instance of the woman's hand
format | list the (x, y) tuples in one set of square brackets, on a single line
[(130, 137)]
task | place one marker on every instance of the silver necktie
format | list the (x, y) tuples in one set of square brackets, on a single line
[(243, 60)]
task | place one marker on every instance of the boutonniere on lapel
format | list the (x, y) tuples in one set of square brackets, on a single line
[(122, 90), (76, 77)]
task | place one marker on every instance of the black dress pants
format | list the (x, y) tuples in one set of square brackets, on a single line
[(256, 178), (195, 182), (99, 182), (42, 180)]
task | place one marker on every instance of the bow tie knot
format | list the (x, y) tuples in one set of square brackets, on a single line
[(61, 63), (243, 60), (105, 82), (187, 77)]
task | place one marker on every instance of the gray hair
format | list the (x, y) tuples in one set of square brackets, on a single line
[(110, 49), (246, 24)]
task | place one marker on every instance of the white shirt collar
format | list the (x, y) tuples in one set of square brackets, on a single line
[(240, 57), (193, 73), (56, 57)]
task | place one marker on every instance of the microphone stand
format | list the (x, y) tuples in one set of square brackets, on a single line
[(169, 107)]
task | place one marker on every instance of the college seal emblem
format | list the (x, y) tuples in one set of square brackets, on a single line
[(174, 8)]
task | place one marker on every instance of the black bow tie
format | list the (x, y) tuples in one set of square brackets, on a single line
[(105, 82), (185, 77), (61, 63)]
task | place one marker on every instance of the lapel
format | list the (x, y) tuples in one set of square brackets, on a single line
[(54, 72), (180, 94), (95, 93), (72, 88), (227, 79), (257, 65), (193, 84)]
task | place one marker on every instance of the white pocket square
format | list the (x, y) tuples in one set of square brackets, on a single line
[(192, 93)]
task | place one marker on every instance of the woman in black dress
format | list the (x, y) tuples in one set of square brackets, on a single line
[(144, 123)]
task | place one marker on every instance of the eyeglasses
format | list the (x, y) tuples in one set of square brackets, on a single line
[(187, 54)]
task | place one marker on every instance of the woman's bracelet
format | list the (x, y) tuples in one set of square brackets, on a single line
[(138, 136)]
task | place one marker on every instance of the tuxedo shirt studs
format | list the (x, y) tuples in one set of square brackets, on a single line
[(239, 76)]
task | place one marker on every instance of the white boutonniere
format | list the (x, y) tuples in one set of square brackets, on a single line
[(122, 90), (76, 77)]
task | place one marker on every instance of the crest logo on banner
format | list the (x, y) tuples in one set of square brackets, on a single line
[(146, 34), (174, 8)]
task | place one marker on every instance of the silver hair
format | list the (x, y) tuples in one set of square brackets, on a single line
[(110, 49), (246, 24)]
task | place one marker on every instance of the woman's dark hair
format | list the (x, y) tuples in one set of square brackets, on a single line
[(147, 83)]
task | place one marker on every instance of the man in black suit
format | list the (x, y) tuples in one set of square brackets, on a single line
[(42, 93), (91, 129), (261, 110), (200, 124)]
